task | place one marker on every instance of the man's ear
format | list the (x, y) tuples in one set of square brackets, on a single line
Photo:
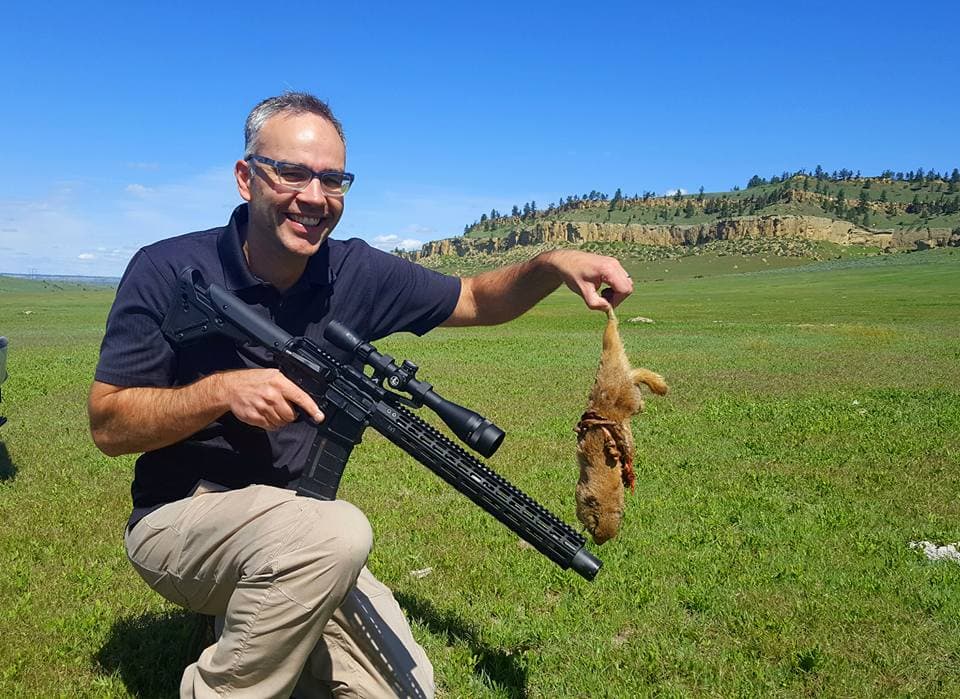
[(243, 173)]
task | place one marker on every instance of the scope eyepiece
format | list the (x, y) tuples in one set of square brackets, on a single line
[(342, 336)]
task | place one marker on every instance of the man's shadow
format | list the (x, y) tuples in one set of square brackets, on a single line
[(7, 469), (495, 666), (150, 651)]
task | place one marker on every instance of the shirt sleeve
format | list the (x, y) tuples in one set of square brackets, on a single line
[(409, 297), (134, 351)]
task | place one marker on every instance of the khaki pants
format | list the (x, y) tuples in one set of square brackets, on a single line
[(287, 575)]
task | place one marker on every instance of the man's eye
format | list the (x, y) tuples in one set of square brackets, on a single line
[(333, 180), (293, 174)]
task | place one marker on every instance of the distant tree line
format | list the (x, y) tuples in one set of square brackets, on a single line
[(917, 176), (678, 204)]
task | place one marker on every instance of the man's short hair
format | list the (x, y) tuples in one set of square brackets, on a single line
[(287, 103)]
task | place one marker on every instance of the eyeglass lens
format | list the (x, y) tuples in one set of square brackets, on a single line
[(299, 177)]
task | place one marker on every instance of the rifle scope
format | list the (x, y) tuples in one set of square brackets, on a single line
[(476, 431)]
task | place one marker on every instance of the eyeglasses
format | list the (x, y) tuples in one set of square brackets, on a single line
[(298, 177)]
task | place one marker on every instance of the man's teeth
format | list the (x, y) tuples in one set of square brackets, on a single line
[(305, 220)]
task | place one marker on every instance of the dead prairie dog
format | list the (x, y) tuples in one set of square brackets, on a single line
[(604, 437)]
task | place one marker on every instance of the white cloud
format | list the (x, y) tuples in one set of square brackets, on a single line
[(94, 228), (417, 229), (391, 217), (673, 192), (393, 242)]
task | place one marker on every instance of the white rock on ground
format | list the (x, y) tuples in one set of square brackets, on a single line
[(947, 552)]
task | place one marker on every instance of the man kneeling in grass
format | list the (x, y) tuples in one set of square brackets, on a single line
[(216, 525)]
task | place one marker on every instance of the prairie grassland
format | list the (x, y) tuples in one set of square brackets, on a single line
[(810, 434)]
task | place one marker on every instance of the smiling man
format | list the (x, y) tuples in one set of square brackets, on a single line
[(216, 525), (290, 218)]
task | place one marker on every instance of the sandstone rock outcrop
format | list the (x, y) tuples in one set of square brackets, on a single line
[(925, 238), (808, 227)]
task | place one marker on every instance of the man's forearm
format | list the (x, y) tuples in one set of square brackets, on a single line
[(128, 420), (132, 420), (504, 294)]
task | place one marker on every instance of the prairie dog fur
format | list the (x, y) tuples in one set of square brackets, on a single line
[(605, 443)]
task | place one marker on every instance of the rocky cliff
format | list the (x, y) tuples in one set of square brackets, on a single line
[(807, 227)]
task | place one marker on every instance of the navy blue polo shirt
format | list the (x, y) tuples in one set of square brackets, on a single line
[(370, 291)]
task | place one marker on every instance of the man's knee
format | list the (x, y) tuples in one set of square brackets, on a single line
[(348, 528), (330, 534)]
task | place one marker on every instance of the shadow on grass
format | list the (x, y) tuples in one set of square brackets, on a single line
[(149, 652), (7, 470), (494, 666)]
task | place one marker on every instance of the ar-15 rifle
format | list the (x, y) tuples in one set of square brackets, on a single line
[(350, 401)]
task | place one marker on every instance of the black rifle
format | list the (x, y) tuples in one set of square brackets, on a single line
[(350, 401)]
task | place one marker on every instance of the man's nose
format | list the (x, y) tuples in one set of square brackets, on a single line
[(314, 194)]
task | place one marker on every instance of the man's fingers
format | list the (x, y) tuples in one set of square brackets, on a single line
[(608, 290), (266, 398), (271, 419), (619, 281), (601, 281), (612, 297), (301, 399), (595, 300)]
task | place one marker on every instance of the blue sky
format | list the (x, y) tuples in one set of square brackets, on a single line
[(121, 121)]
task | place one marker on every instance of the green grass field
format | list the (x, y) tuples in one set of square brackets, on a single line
[(811, 433)]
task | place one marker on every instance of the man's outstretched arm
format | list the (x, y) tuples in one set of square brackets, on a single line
[(136, 419), (504, 294)]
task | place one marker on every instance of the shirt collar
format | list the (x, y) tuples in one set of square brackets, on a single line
[(237, 274)]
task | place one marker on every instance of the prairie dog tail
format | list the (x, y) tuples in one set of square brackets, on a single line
[(653, 381)]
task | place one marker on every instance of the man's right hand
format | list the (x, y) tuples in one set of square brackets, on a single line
[(266, 398), (128, 420)]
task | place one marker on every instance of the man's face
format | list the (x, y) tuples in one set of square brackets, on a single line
[(287, 222)]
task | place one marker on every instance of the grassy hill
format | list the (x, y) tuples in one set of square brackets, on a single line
[(657, 263), (790, 216)]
